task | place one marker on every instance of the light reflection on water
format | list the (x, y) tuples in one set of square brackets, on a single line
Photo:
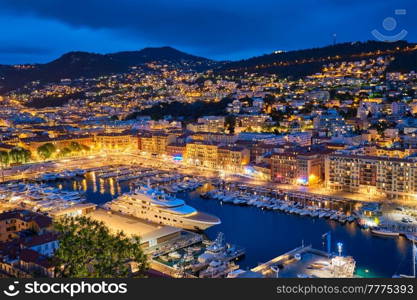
[(267, 234), (402, 244)]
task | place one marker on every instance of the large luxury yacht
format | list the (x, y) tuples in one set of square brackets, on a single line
[(158, 207)]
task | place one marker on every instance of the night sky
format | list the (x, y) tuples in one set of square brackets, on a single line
[(42, 30)]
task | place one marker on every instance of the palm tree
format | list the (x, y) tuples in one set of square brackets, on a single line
[(26, 155), (14, 155), (19, 155), (4, 158), (4, 161)]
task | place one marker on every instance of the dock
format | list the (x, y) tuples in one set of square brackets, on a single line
[(281, 258), (307, 262)]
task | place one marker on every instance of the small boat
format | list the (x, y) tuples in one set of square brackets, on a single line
[(314, 213), (304, 276), (276, 207), (350, 219), (79, 172), (49, 176), (327, 214), (343, 219), (411, 237), (334, 217), (384, 232), (174, 255)]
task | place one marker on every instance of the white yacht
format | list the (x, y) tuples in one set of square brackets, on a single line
[(156, 206), (49, 176)]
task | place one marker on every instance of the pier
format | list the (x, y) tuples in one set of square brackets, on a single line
[(267, 265), (307, 262)]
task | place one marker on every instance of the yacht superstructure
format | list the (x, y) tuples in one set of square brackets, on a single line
[(158, 207)]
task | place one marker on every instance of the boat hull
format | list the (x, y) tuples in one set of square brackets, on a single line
[(385, 233)]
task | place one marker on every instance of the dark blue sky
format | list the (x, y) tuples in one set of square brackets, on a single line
[(41, 30)]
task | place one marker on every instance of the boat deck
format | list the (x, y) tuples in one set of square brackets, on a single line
[(203, 217)]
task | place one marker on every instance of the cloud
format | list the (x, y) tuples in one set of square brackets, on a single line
[(23, 49), (213, 28)]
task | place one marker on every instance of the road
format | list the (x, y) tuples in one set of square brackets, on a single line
[(33, 170)]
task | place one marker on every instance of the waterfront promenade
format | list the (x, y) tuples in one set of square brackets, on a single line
[(33, 170)]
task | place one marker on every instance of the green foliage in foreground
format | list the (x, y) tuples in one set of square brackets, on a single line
[(45, 151), (88, 249)]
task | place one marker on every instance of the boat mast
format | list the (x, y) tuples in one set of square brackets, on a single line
[(328, 237)]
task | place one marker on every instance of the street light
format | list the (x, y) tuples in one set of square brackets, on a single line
[(340, 248), (276, 270)]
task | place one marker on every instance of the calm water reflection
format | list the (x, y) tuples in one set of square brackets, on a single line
[(266, 234)]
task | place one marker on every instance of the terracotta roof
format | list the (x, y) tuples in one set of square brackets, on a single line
[(27, 216), (58, 138), (376, 158), (232, 148), (6, 146), (28, 255), (39, 239)]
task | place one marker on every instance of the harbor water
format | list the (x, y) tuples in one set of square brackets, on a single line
[(266, 234)]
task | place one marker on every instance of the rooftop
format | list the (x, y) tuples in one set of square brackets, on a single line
[(41, 220)]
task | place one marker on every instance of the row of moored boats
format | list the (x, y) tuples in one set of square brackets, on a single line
[(39, 197), (66, 174), (270, 203)]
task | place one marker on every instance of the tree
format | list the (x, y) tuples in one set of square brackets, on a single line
[(85, 148), (4, 158), (46, 150), (14, 155), (26, 155), (349, 113), (87, 249), (19, 155), (307, 109), (230, 123), (382, 125), (269, 101), (75, 147), (277, 115), (4, 161), (188, 111), (64, 152)]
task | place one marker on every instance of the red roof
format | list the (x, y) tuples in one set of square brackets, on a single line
[(28, 255), (39, 239), (27, 216)]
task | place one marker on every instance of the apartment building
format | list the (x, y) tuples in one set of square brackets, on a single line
[(252, 121), (156, 142), (176, 150), (115, 141), (201, 154), (215, 156), (395, 178), (12, 222), (211, 137), (233, 158), (284, 167), (208, 124), (298, 166)]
